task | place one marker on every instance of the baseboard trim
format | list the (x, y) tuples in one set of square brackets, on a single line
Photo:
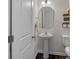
[(53, 53), (58, 53), (40, 56)]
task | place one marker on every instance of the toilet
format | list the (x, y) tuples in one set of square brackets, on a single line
[(66, 42), (67, 51)]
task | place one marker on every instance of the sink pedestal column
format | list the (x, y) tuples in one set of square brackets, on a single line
[(45, 50), (45, 36)]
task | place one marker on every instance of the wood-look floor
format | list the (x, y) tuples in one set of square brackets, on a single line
[(40, 56)]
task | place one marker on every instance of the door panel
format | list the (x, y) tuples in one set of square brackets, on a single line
[(22, 18), (22, 29), (25, 41), (27, 52)]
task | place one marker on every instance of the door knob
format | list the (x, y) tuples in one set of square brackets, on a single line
[(33, 36)]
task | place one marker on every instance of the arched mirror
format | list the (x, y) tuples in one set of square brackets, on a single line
[(46, 18)]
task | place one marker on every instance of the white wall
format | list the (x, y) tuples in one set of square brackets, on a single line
[(56, 44)]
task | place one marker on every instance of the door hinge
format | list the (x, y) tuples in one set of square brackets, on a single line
[(10, 39)]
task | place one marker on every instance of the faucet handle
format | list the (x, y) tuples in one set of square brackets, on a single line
[(45, 32)]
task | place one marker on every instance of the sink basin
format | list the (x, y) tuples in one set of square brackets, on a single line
[(45, 35)]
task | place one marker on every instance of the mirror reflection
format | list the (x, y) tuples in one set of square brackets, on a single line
[(46, 17)]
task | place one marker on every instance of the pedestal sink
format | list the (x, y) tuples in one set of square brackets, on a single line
[(45, 36)]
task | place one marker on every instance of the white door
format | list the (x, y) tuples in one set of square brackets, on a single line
[(22, 29)]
